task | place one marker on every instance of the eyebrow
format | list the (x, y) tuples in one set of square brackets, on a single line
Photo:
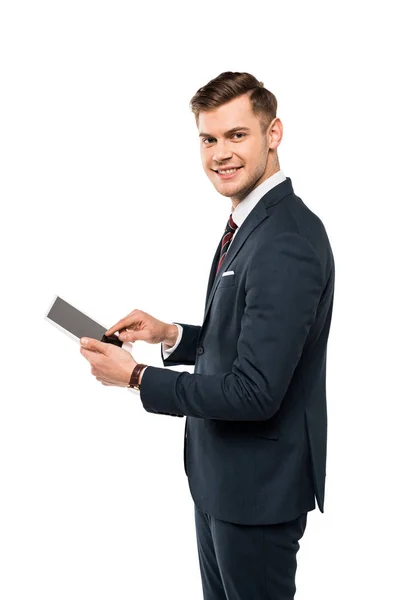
[(227, 133)]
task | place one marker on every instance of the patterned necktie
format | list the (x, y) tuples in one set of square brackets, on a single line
[(226, 240)]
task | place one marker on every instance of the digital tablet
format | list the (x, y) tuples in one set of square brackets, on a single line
[(76, 324)]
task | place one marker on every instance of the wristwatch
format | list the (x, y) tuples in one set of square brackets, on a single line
[(134, 380)]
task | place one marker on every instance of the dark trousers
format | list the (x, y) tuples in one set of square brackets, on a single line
[(247, 562)]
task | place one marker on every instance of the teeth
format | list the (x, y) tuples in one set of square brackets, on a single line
[(227, 172)]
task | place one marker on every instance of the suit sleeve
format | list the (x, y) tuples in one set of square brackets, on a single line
[(185, 352), (283, 287)]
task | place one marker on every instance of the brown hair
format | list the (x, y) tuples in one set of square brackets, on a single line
[(229, 85)]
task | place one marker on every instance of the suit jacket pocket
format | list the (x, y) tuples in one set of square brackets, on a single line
[(267, 430), (227, 281), (273, 435), (240, 430)]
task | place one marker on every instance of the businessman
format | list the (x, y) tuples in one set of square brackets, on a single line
[(255, 406)]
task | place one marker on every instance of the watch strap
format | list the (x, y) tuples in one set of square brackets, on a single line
[(134, 380)]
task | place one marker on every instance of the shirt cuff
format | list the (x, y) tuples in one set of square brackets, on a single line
[(167, 351)]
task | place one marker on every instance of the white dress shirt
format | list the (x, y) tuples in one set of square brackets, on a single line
[(239, 214)]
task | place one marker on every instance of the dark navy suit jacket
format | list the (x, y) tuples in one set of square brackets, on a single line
[(256, 427)]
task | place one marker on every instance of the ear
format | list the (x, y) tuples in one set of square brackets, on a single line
[(274, 133)]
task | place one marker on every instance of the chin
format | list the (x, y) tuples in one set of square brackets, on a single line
[(229, 192), (226, 193)]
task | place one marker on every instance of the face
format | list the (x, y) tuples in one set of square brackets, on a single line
[(231, 137)]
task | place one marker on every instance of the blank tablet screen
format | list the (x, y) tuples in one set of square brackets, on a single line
[(74, 321)]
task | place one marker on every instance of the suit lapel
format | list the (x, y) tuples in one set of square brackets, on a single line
[(255, 217), (213, 269)]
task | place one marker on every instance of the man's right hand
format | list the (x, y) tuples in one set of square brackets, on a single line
[(139, 325)]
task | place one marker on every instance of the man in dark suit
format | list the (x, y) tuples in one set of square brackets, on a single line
[(256, 426)]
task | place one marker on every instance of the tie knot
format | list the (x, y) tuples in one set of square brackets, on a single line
[(231, 225)]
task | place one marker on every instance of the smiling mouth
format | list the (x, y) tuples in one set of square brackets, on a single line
[(227, 171)]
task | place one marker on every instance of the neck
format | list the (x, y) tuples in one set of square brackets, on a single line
[(270, 170)]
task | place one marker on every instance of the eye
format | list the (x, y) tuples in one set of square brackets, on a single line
[(205, 140), (242, 134)]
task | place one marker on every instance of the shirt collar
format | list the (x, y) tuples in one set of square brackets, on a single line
[(248, 203)]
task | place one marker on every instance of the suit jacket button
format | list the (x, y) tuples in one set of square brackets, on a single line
[(200, 350)]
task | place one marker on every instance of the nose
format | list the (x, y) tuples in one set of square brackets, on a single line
[(222, 152)]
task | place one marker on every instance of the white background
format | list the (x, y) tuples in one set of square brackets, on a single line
[(101, 187)]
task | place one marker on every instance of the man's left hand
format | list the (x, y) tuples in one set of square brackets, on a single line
[(110, 364)]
